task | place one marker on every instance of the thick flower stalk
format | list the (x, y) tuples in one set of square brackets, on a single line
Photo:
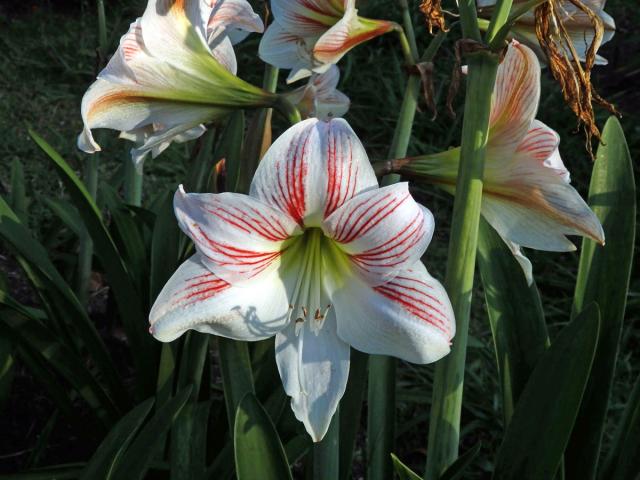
[(527, 196), (317, 255), (309, 36), (578, 24), (320, 98), (173, 71)]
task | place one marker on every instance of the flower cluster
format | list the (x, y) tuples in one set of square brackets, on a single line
[(318, 255)]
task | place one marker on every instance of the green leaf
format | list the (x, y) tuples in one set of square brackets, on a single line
[(67, 213), (603, 277), (230, 149), (457, 468), (623, 462), (546, 411), (515, 312), (351, 409), (129, 302), (58, 472), (202, 163), (164, 246), (58, 298), (189, 442), (19, 201), (7, 369), (137, 458), (402, 471), (258, 450), (237, 377), (128, 236), (116, 442), (28, 330)]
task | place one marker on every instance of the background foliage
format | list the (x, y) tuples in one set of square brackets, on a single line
[(49, 58)]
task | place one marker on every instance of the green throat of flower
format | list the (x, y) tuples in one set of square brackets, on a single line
[(319, 266)]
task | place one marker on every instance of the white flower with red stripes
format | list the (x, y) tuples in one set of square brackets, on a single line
[(317, 255), (527, 196), (174, 70), (320, 97), (308, 36)]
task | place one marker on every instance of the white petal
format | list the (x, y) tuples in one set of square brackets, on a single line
[(515, 98), (329, 102), (239, 237), (312, 169), (285, 50), (158, 141), (383, 230), (195, 299), (307, 18), (236, 17), (314, 371), (528, 199), (349, 32), (222, 50), (124, 108), (522, 260), (410, 317), (176, 32)]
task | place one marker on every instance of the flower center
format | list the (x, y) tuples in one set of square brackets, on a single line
[(315, 262)]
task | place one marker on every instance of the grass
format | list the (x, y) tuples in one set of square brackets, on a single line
[(49, 59)]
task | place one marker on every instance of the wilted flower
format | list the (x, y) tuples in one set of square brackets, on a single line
[(317, 255), (308, 36), (577, 23), (319, 97), (173, 71), (527, 197)]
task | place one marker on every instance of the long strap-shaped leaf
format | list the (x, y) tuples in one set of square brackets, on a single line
[(603, 277), (623, 462), (116, 442), (548, 406), (58, 296), (136, 459), (515, 312), (143, 348), (258, 450)]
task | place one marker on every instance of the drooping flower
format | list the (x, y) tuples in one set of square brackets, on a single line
[(308, 36), (317, 255), (527, 197), (320, 98), (173, 71), (577, 23)]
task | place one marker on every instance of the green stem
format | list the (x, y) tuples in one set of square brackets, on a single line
[(503, 7), (91, 178), (382, 369), (132, 183), (102, 29), (287, 109), (326, 458), (444, 429)]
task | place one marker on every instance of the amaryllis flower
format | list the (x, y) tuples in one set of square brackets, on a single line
[(577, 23), (317, 255), (308, 36), (319, 97), (527, 197), (173, 71)]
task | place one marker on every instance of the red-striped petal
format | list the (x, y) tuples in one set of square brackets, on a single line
[(384, 231), (515, 99), (238, 236), (196, 299), (409, 317), (313, 169)]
